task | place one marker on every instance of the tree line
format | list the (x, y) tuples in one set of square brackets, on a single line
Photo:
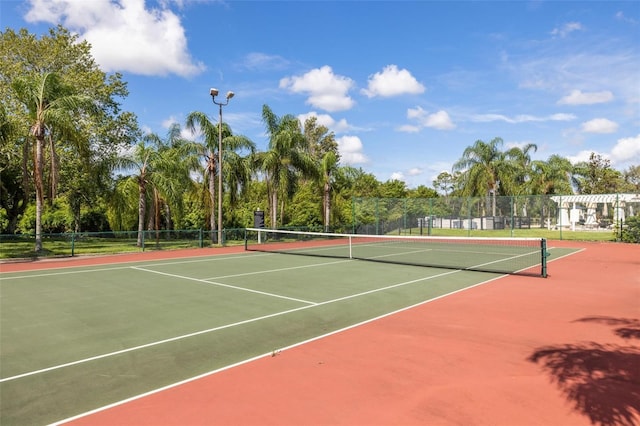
[(72, 160)]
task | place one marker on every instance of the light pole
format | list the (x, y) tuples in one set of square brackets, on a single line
[(214, 93)]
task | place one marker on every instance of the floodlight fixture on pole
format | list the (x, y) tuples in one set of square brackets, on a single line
[(214, 92)]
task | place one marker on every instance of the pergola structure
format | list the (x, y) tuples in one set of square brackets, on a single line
[(570, 213)]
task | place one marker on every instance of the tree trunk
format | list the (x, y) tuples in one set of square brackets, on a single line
[(156, 210), (274, 209), (55, 174), (142, 207), (282, 211), (39, 188), (327, 205), (167, 218)]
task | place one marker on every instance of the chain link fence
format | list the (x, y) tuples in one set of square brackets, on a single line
[(596, 217)]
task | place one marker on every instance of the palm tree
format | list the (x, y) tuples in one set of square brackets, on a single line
[(328, 167), (141, 159), (321, 145), (172, 178), (237, 169), (521, 161), (49, 105), (552, 176), (161, 174), (484, 166), (286, 158), (520, 182)]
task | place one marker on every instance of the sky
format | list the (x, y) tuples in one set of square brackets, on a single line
[(405, 86)]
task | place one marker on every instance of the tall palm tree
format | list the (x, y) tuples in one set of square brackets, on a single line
[(286, 159), (328, 167), (140, 160), (237, 169), (50, 106), (321, 145), (484, 166)]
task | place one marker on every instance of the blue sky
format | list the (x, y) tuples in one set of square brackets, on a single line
[(405, 85)]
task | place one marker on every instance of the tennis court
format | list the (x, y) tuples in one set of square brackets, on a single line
[(80, 338)]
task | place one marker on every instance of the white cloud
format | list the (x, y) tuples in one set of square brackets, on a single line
[(626, 150), (124, 34), (583, 156), (522, 118), (350, 148), (392, 81), (621, 16), (416, 171), (438, 120), (397, 176), (516, 144), (326, 120), (577, 97), (408, 128), (184, 132), (256, 61), (326, 90), (599, 125), (566, 29), (612, 66), (168, 122)]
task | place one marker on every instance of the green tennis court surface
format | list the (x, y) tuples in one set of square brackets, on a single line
[(76, 339)]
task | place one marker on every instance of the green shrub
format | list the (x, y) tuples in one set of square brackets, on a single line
[(631, 231)]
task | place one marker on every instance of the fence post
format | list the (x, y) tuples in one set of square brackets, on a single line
[(377, 216), (430, 216), (469, 216), (404, 207), (73, 243), (512, 216), (353, 215), (560, 216)]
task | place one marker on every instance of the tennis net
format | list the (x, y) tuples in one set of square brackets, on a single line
[(522, 256)]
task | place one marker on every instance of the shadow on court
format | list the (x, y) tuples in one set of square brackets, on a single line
[(602, 381)]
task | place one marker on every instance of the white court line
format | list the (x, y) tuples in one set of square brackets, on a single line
[(279, 269), (207, 258), (173, 339), (264, 293)]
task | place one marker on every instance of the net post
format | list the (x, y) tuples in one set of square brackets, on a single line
[(543, 249), (350, 245)]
